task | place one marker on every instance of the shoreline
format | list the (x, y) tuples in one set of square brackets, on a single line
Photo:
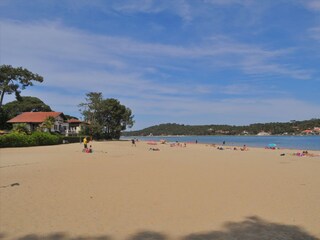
[(230, 146), (310, 143)]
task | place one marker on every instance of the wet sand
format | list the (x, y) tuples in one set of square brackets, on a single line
[(189, 193)]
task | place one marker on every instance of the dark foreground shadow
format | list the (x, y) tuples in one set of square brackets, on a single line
[(252, 228), (61, 236), (148, 235)]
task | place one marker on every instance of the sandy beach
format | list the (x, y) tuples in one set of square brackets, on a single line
[(190, 193)]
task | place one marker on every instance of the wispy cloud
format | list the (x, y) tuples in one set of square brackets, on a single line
[(315, 33), (157, 78), (49, 40), (312, 4)]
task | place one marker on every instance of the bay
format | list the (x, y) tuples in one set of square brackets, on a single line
[(291, 142)]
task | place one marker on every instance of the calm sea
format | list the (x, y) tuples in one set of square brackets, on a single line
[(292, 142)]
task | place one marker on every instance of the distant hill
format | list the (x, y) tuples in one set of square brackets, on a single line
[(273, 128)]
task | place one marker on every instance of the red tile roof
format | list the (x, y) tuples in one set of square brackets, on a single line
[(73, 120), (33, 117)]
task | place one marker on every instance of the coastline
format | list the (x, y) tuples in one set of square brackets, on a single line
[(121, 191), (283, 142)]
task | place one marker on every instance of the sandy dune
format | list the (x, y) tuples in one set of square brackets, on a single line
[(125, 192)]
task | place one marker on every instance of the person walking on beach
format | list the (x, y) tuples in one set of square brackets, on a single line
[(85, 143), (133, 142)]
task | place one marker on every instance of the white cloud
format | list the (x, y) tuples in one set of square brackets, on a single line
[(315, 33), (228, 2), (49, 43), (312, 4)]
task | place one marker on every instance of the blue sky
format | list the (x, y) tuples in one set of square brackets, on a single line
[(183, 61)]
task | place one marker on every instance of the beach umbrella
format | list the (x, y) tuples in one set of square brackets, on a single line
[(272, 145)]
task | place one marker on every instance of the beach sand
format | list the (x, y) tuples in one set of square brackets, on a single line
[(189, 193)]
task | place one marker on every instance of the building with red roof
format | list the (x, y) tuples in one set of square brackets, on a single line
[(34, 120), (74, 126)]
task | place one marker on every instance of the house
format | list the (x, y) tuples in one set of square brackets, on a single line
[(263, 133), (73, 126), (33, 120), (307, 132), (316, 130)]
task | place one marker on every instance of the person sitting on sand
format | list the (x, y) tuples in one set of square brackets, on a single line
[(89, 150), (244, 148)]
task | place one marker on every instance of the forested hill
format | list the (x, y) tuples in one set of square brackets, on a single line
[(274, 128)]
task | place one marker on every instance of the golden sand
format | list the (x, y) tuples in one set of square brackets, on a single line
[(190, 193)]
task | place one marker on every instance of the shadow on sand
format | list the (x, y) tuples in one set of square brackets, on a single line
[(252, 228)]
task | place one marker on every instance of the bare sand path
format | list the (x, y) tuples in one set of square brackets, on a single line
[(125, 192)]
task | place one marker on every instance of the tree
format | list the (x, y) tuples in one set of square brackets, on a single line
[(3, 120), (116, 117), (48, 123), (26, 104), (107, 117), (13, 80)]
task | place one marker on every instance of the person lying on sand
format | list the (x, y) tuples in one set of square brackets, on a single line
[(305, 154), (154, 149)]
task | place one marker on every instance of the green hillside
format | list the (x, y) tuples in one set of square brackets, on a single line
[(274, 128)]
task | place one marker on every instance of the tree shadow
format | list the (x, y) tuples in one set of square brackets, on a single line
[(61, 236), (148, 235), (2, 235), (254, 228)]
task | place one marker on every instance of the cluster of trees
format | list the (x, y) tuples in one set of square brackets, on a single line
[(275, 128), (106, 117), (12, 81), (25, 104)]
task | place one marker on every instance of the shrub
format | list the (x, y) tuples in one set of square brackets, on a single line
[(73, 139), (20, 128), (15, 139), (45, 138)]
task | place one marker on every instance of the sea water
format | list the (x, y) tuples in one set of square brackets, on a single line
[(291, 142)]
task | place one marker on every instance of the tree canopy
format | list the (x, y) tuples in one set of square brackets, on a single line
[(14, 108), (26, 104), (13, 80), (107, 117)]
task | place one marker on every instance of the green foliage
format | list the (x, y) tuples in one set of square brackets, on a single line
[(20, 128), (26, 104), (13, 80), (73, 139), (293, 127), (41, 138), (48, 123), (15, 139), (3, 120), (107, 117)]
